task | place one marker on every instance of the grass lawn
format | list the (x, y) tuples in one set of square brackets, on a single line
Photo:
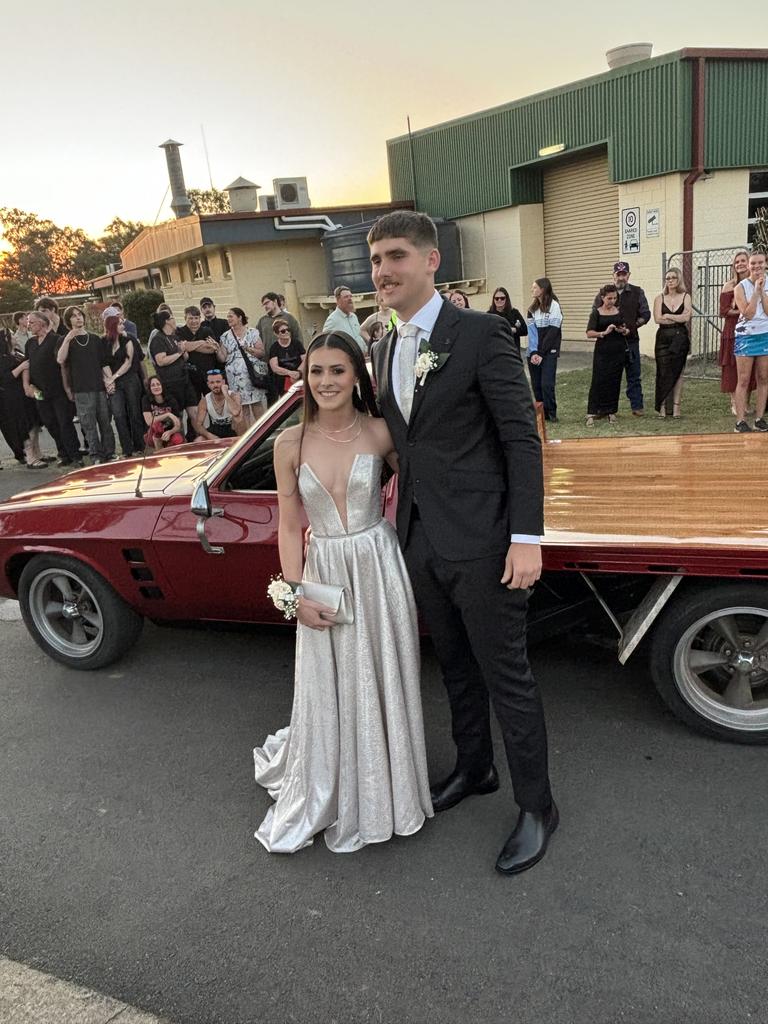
[(704, 409)]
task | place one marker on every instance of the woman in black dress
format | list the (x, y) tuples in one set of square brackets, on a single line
[(502, 306), (606, 328), (672, 311), (17, 414)]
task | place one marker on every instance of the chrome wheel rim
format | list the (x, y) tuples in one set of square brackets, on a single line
[(66, 613), (721, 667)]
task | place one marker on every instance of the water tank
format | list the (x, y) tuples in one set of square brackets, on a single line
[(347, 256)]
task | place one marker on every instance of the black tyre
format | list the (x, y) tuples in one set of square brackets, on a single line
[(73, 614), (709, 659)]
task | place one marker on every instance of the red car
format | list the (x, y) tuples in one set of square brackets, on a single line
[(649, 537)]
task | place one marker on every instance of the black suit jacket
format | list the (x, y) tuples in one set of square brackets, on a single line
[(470, 454)]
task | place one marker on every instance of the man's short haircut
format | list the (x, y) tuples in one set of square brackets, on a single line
[(114, 301), (17, 317), (342, 288), (47, 303), (41, 315), (272, 296), (417, 228), (192, 311), (67, 316)]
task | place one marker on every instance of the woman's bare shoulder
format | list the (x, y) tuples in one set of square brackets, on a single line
[(379, 431), (288, 440)]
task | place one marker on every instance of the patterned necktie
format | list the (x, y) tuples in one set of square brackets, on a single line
[(407, 367)]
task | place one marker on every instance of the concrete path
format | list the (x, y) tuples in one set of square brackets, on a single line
[(28, 996)]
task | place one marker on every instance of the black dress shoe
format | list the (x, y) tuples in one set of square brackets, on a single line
[(461, 783), (529, 840)]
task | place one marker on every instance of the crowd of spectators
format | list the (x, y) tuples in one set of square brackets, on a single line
[(212, 377)]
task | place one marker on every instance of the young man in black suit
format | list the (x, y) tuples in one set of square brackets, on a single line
[(452, 390)]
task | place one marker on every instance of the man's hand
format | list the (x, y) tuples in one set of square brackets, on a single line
[(535, 358), (522, 566)]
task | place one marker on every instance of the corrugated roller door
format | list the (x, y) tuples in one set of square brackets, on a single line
[(581, 234)]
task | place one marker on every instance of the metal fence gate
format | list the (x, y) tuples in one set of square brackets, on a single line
[(704, 271)]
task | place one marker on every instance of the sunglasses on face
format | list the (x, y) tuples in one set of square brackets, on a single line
[(283, 331)]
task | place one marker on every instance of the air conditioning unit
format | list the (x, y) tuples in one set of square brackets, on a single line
[(267, 202), (291, 193)]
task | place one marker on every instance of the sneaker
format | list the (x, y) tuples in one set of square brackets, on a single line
[(742, 427), (761, 425)]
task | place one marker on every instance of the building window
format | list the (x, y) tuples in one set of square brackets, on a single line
[(758, 199), (166, 272), (226, 263), (199, 269)]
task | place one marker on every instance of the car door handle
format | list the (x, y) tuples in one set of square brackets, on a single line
[(208, 548)]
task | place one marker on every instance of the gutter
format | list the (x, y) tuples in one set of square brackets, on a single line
[(697, 146)]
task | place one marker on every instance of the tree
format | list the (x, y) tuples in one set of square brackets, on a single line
[(139, 307), (117, 234), (209, 200), (15, 296), (42, 255)]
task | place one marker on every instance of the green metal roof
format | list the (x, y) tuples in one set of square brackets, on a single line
[(641, 112)]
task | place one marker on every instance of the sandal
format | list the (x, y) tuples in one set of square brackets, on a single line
[(37, 464)]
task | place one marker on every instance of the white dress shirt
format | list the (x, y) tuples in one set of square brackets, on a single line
[(425, 320)]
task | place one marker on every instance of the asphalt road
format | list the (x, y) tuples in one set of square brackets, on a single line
[(128, 864)]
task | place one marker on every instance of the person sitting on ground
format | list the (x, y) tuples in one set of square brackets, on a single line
[(286, 356), (222, 408), (162, 416)]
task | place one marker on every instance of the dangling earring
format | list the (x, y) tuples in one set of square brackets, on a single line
[(358, 392)]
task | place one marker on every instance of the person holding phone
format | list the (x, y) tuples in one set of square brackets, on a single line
[(607, 329)]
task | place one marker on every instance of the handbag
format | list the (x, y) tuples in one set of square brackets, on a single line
[(258, 380), (338, 598)]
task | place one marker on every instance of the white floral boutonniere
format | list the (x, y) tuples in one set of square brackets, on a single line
[(427, 361)]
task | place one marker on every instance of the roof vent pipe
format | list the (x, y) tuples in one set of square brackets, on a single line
[(620, 56), (180, 203)]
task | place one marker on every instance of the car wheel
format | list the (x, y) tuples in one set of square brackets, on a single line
[(709, 660), (73, 614)]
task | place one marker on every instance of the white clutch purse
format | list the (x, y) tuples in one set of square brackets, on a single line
[(338, 598)]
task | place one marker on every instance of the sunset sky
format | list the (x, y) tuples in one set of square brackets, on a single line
[(297, 88)]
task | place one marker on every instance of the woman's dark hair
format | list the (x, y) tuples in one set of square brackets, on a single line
[(154, 376), (18, 316), (239, 312), (161, 319), (544, 301), (507, 302), (6, 342), (376, 331), (607, 289), (458, 291), (362, 399)]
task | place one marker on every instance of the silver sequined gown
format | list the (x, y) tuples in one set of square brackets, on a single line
[(352, 762)]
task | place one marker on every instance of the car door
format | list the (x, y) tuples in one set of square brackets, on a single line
[(230, 584)]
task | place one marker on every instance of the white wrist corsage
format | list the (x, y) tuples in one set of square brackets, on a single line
[(283, 596)]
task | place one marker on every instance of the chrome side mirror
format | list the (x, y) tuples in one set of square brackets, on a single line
[(201, 507)]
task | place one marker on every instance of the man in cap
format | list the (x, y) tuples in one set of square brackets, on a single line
[(214, 323), (635, 311)]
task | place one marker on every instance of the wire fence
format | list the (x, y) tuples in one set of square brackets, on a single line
[(704, 271)]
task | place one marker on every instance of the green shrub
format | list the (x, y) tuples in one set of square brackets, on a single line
[(139, 307)]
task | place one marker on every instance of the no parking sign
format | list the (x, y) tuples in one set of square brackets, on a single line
[(630, 230)]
